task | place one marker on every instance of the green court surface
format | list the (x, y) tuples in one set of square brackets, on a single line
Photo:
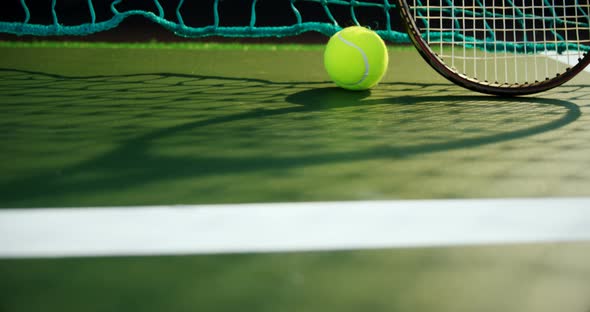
[(125, 126), (105, 126), (540, 278)]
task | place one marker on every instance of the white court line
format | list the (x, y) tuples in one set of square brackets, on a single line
[(210, 229)]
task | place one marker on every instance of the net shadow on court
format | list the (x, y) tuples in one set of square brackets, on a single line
[(189, 136)]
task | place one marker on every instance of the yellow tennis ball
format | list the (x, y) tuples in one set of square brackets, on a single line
[(356, 58)]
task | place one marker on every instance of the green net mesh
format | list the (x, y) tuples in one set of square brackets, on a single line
[(203, 18), (172, 17)]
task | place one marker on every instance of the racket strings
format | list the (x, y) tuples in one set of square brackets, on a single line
[(506, 41)]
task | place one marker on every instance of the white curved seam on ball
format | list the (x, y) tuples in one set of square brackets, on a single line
[(365, 59)]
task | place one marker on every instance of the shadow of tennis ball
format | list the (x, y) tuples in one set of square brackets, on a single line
[(325, 98)]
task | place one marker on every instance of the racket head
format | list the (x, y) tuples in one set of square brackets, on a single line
[(558, 75)]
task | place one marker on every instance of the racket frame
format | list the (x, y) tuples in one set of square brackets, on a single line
[(471, 83)]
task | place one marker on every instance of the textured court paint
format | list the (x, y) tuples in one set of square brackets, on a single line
[(286, 227), (531, 278), (154, 128)]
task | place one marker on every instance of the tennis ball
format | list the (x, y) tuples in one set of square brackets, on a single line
[(356, 58)]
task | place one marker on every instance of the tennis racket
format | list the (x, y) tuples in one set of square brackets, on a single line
[(501, 47)]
